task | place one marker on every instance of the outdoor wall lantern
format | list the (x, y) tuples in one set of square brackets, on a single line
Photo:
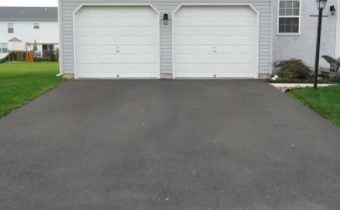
[(321, 4), (332, 9), (166, 19)]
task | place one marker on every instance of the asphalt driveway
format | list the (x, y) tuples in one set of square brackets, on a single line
[(159, 145)]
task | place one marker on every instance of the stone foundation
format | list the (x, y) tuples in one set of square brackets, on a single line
[(264, 75), (68, 76)]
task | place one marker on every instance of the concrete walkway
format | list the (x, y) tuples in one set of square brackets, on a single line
[(168, 145)]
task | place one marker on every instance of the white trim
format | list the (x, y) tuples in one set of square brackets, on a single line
[(258, 42), (272, 23), (114, 4), (291, 16), (217, 4), (337, 38), (61, 43)]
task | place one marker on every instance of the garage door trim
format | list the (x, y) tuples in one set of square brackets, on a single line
[(120, 5), (216, 4)]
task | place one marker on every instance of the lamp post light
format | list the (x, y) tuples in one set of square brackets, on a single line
[(321, 6)]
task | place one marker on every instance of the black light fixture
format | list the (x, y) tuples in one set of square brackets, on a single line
[(332, 9), (166, 19), (321, 4)]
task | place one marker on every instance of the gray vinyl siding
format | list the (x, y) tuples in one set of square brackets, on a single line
[(302, 46), (264, 8)]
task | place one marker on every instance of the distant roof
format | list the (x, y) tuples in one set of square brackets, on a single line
[(28, 13), (14, 40)]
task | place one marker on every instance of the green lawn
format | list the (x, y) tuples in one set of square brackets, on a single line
[(325, 101), (22, 82)]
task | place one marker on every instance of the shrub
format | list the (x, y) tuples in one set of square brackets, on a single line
[(52, 56), (292, 69)]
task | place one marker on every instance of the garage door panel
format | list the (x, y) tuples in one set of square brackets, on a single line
[(194, 40), (212, 22), (215, 41), (196, 68), (97, 41), (205, 71), (140, 40), (107, 67), (222, 49), (137, 50), (236, 49), (232, 59), (235, 31), (224, 31), (111, 40), (107, 22), (107, 50), (116, 31), (123, 71), (125, 59), (116, 12), (117, 42), (131, 31), (93, 59), (193, 50), (110, 75), (234, 40), (97, 50), (145, 68), (198, 59), (233, 67), (131, 59), (211, 10), (92, 68)]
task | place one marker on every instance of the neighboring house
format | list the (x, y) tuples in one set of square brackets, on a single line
[(28, 29), (190, 39)]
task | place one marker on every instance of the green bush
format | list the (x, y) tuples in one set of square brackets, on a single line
[(52, 56), (292, 69)]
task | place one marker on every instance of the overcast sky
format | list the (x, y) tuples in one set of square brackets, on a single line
[(24, 3)]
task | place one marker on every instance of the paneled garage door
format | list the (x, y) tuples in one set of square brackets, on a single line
[(215, 41), (117, 42)]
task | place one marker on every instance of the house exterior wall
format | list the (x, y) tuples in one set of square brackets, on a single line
[(67, 7), (303, 46), (23, 30)]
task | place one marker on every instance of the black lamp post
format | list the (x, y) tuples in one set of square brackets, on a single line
[(321, 6)]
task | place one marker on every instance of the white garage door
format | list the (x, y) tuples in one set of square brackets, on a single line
[(215, 41), (117, 42)]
